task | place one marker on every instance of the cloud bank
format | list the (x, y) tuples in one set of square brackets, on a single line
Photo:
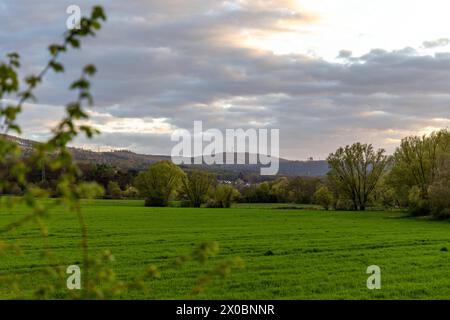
[(164, 64)]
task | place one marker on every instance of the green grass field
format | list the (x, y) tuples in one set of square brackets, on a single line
[(288, 253)]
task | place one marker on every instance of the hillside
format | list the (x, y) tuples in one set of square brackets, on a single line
[(126, 160)]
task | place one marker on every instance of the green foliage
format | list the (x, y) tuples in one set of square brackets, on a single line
[(302, 189), (324, 197), (54, 153), (355, 172), (439, 191), (101, 173), (280, 190), (159, 183), (196, 186), (439, 194), (343, 204), (418, 206), (416, 169), (384, 195), (131, 192), (222, 196), (415, 162), (99, 280), (263, 193), (113, 190)]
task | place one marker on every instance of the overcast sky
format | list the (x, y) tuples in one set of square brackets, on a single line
[(325, 72)]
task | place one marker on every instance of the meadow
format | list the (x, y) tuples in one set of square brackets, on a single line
[(289, 253)]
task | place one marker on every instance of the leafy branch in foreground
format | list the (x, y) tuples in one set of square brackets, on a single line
[(99, 281)]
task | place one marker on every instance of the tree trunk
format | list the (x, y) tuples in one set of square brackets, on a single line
[(355, 205)]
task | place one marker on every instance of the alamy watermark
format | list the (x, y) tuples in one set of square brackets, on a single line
[(259, 146), (74, 278), (374, 280), (73, 22)]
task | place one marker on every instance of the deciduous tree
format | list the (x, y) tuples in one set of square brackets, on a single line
[(356, 170), (416, 168), (324, 197), (159, 183), (196, 186)]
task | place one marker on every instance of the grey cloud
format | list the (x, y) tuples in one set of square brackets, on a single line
[(179, 60), (442, 42)]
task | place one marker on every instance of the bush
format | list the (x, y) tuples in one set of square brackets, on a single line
[(196, 186), (15, 190), (302, 189), (343, 204), (439, 194), (131, 192), (159, 183), (324, 197), (222, 196), (418, 206), (385, 196), (113, 190)]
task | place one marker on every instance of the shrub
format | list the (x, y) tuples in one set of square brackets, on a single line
[(159, 183), (418, 206), (222, 196), (302, 189), (344, 204), (324, 197), (439, 194), (196, 186), (384, 195), (99, 280), (113, 190), (131, 192)]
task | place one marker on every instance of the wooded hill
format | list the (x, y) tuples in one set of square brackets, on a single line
[(126, 160)]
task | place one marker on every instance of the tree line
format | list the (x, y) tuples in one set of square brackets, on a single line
[(416, 177)]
